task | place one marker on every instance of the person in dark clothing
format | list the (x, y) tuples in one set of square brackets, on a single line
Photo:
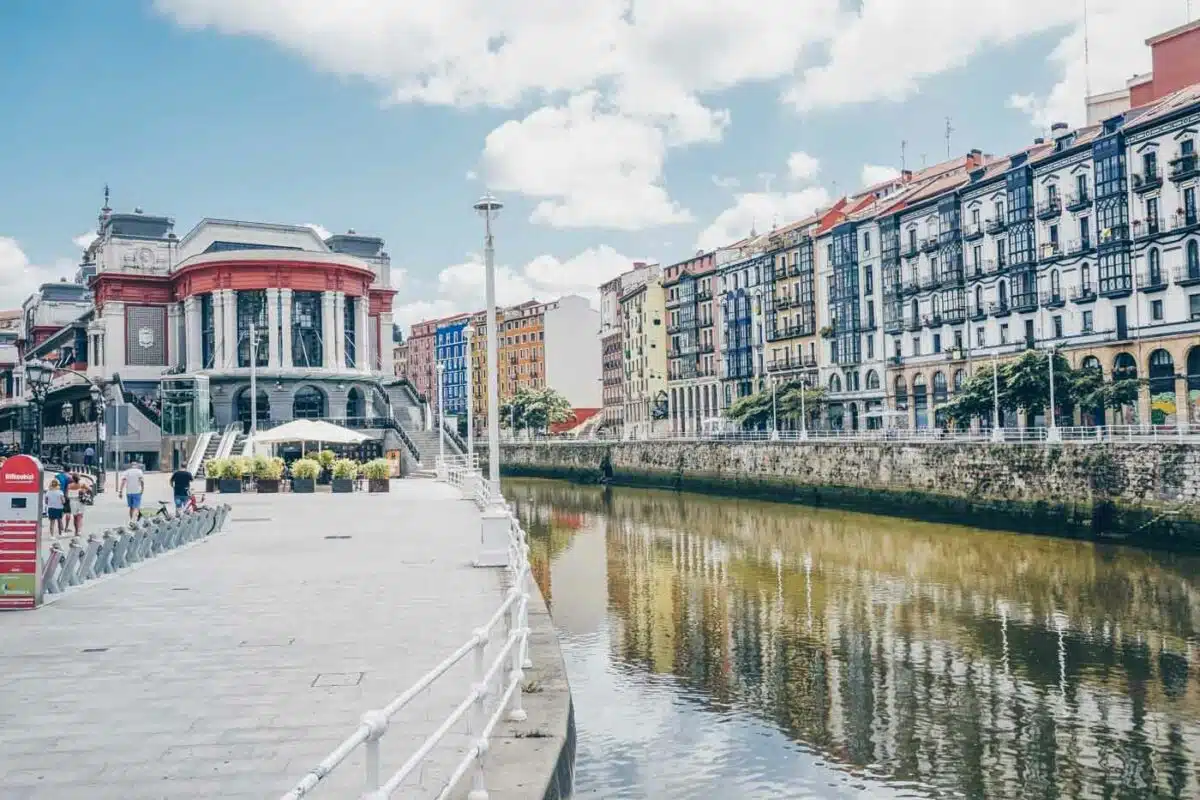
[(181, 487)]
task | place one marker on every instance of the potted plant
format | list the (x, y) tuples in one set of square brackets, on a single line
[(379, 473), (214, 468), (304, 475), (326, 458), (231, 476), (267, 472), (345, 470)]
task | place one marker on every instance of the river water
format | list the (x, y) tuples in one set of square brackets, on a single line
[(720, 648)]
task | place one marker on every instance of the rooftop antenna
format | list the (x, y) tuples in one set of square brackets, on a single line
[(949, 133), (903, 154), (1087, 61), (924, 159)]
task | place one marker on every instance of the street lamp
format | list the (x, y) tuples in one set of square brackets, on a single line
[(489, 207), (468, 334), (774, 417), (997, 433), (1053, 434), (37, 375), (441, 369), (98, 411)]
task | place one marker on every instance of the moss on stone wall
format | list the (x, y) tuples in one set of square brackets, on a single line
[(1141, 494)]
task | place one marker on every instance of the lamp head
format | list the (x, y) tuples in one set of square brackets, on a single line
[(488, 206)]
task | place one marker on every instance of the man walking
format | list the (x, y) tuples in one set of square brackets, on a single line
[(132, 482), (89, 456), (181, 487)]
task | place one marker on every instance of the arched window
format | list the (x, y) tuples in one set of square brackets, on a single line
[(939, 386), (1055, 287), (901, 388), (1002, 294), (1124, 367), (1085, 278), (835, 383), (1091, 362), (916, 311), (262, 403), (1154, 260), (1162, 373), (872, 379), (936, 304), (960, 378), (308, 403), (978, 299), (354, 403), (1193, 260)]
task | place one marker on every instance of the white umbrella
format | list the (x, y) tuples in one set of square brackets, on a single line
[(310, 430)]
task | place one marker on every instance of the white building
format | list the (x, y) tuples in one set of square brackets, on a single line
[(572, 350)]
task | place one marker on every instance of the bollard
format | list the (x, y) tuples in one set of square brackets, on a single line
[(54, 564), (87, 569), (103, 565), (71, 567), (121, 552)]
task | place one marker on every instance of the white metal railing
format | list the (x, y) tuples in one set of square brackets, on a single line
[(196, 458), (225, 448), (1073, 434), (497, 678)]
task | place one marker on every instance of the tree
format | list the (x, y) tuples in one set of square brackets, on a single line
[(535, 409), (755, 411), (1027, 382), (1092, 391), (977, 397)]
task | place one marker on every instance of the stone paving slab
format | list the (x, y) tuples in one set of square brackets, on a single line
[(232, 667)]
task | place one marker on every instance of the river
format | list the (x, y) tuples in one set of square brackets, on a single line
[(721, 648)]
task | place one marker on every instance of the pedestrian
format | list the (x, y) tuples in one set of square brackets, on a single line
[(74, 507), (55, 499), (89, 456), (132, 482), (181, 487), (64, 480)]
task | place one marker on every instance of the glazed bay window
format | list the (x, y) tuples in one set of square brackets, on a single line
[(307, 332), (207, 332), (252, 310), (349, 325)]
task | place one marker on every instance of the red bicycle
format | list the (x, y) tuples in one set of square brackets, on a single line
[(192, 504)]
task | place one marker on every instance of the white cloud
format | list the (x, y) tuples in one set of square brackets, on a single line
[(19, 278), (875, 173), (802, 166), (725, 183), (762, 211), (460, 287), (320, 230), (588, 166), (84, 240), (472, 175)]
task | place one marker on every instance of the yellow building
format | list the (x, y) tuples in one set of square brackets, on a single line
[(522, 349), (642, 312)]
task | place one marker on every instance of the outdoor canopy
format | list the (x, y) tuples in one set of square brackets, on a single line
[(310, 430)]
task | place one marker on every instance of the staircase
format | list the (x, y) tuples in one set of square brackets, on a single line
[(241, 445), (210, 451)]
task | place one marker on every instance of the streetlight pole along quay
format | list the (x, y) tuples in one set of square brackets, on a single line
[(496, 523)]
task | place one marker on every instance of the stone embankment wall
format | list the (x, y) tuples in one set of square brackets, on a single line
[(1146, 494)]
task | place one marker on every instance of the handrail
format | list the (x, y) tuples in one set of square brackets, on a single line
[(196, 459), (512, 654), (228, 437)]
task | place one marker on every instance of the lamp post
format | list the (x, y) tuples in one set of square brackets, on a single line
[(37, 375), (488, 207), (98, 412), (1053, 434), (68, 413), (803, 410), (468, 334), (774, 416), (253, 384), (441, 369), (997, 433)]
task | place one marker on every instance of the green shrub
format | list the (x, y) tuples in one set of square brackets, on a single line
[(259, 466), (378, 469), (270, 470), (326, 458), (306, 469), (345, 469), (237, 467), (215, 467)]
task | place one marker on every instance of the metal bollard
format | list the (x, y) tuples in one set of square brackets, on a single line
[(87, 569), (70, 570), (53, 570), (121, 551), (104, 554)]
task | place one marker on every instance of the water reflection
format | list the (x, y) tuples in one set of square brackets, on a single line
[(723, 648)]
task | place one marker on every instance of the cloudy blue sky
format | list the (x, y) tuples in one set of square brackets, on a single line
[(612, 129)]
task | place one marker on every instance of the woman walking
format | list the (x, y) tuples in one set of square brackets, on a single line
[(55, 500), (74, 503)]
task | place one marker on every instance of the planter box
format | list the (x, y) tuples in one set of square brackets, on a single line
[(229, 485), (210, 484), (343, 485), (267, 485), (379, 485), (304, 485)]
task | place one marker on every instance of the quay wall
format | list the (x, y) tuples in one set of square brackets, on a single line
[(1145, 494)]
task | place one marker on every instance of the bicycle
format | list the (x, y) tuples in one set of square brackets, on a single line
[(165, 506)]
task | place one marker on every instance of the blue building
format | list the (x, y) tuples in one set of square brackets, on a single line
[(451, 352)]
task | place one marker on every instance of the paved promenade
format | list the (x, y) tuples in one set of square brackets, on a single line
[(230, 668)]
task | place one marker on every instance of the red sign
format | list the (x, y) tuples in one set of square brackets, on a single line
[(20, 529)]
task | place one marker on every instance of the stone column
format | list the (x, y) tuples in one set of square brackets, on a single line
[(175, 344), (272, 329), (114, 336), (362, 346), (1181, 402), (1143, 406), (286, 323), (386, 354), (192, 336), (328, 331), (218, 315), (231, 330), (339, 330)]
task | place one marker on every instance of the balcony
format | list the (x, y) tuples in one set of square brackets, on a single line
[(912, 323), (1079, 201), (1114, 235), (893, 325), (707, 347), (932, 321), (1083, 294), (1077, 247), (1188, 276), (1050, 208), (930, 244), (1152, 281), (1185, 218), (1145, 228), (1049, 251), (996, 225), (1185, 167), (973, 231), (786, 302), (1053, 299), (895, 361), (978, 313), (910, 250), (954, 316), (1000, 309), (704, 294), (1024, 301), (785, 363), (1147, 181)]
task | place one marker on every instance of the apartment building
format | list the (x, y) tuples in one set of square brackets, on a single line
[(744, 275), (612, 343), (643, 312), (572, 351), (693, 362), (792, 304), (450, 350)]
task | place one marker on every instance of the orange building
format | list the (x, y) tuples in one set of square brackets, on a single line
[(522, 349)]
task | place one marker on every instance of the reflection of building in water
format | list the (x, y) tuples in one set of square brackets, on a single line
[(582, 609), (989, 664)]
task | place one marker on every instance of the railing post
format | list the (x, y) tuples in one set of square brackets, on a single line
[(478, 719), (377, 724)]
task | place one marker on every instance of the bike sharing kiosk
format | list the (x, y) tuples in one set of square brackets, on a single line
[(20, 533)]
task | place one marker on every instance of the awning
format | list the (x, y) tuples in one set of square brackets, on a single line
[(310, 430)]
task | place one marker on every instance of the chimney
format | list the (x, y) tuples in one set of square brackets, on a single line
[(1039, 140)]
